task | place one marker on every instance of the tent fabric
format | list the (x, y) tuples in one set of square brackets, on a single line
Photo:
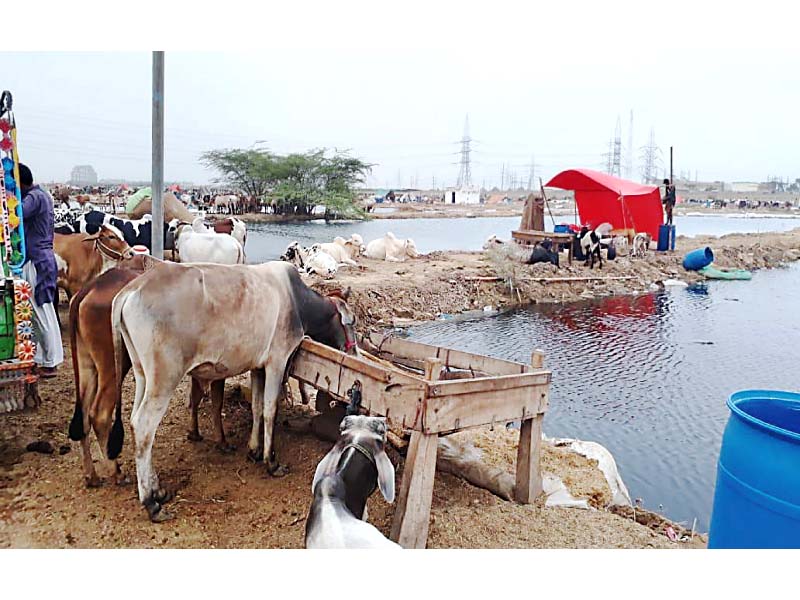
[(601, 197)]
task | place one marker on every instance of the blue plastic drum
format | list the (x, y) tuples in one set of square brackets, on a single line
[(757, 498), (697, 259)]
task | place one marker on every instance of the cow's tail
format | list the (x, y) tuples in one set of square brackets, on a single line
[(117, 435), (76, 430)]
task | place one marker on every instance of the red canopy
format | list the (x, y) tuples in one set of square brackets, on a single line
[(604, 198)]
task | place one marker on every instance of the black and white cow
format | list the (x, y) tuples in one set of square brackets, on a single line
[(133, 231), (590, 246)]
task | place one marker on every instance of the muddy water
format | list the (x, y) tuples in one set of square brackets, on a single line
[(266, 241), (648, 376)]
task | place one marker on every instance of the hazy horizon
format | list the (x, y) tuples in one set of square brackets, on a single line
[(728, 113)]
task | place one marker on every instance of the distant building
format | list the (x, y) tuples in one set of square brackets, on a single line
[(462, 196), (83, 175), (743, 186)]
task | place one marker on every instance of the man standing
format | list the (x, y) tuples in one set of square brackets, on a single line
[(41, 272), (668, 200)]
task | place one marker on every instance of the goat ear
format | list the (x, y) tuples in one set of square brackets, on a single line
[(385, 475), (326, 466)]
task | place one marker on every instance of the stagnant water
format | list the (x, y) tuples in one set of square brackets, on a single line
[(648, 376), (267, 241)]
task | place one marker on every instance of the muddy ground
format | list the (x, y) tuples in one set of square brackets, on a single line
[(398, 294), (225, 501)]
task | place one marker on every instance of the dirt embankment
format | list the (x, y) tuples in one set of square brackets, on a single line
[(398, 294)]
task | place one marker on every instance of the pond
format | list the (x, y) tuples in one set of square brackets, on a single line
[(648, 376)]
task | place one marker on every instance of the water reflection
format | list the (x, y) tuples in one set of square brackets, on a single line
[(648, 376)]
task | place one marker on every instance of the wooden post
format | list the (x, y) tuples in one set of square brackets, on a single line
[(413, 513), (529, 452), (157, 184)]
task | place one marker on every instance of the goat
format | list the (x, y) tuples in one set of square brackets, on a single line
[(344, 479), (590, 245)]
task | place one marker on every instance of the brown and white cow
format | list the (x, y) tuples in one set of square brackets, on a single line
[(241, 318), (82, 257)]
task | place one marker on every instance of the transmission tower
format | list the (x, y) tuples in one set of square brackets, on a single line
[(608, 157), (629, 162), (651, 159), (531, 174), (615, 165), (465, 170)]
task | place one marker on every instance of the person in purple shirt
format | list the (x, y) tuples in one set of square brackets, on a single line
[(41, 272)]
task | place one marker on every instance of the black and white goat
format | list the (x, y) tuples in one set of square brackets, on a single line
[(344, 479), (590, 246)]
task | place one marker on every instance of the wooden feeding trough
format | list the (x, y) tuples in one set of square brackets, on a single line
[(438, 391)]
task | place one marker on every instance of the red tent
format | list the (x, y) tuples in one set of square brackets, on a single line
[(604, 198)]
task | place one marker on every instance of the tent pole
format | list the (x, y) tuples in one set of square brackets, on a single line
[(541, 187)]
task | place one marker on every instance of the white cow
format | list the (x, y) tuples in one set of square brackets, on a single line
[(345, 253), (196, 243), (392, 249)]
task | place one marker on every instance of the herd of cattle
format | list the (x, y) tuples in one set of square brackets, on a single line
[(125, 314)]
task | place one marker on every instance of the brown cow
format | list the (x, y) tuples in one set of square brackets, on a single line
[(92, 346), (81, 257)]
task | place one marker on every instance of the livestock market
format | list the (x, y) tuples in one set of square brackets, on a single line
[(302, 361)]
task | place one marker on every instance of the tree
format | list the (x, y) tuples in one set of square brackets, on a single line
[(295, 183)]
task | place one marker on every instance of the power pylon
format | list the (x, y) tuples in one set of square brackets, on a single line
[(615, 164), (465, 170), (651, 159), (629, 162)]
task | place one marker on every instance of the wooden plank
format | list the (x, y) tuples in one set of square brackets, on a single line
[(358, 364), (452, 358), (489, 384), (528, 484), (453, 413), (395, 395), (412, 515), (537, 236)]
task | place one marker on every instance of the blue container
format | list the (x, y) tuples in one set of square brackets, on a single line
[(757, 498), (666, 238), (562, 228), (697, 259)]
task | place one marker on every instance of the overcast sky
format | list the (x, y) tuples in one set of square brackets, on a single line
[(730, 114)]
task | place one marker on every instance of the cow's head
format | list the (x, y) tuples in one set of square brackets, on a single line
[(410, 248), (109, 242), (344, 322), (365, 436)]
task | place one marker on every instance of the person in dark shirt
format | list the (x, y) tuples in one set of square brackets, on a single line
[(41, 272), (668, 200)]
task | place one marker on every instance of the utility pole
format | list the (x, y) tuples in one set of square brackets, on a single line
[(503, 177), (531, 174), (465, 171), (629, 162), (157, 184)]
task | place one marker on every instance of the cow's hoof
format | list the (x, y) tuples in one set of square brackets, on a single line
[(162, 496), (276, 470), (255, 457), (226, 448), (194, 436), (157, 513), (93, 482)]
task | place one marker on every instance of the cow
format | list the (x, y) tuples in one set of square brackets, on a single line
[(232, 226), (94, 368), (590, 246), (133, 231), (391, 249), (197, 243), (80, 258), (310, 260), (260, 314)]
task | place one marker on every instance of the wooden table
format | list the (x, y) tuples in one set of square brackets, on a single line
[(529, 236), (496, 392)]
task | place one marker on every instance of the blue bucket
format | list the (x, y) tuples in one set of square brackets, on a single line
[(757, 498), (697, 259)]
